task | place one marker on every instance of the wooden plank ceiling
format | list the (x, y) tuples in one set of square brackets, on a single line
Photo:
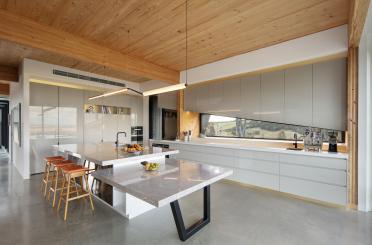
[(154, 30)]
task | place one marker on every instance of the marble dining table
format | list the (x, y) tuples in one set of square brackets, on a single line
[(174, 179)]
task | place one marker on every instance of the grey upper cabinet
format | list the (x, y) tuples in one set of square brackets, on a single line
[(250, 97), (202, 100), (190, 97), (329, 96), (215, 97), (310, 95), (231, 98), (136, 105), (272, 96), (298, 95)]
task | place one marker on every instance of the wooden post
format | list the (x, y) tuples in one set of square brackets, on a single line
[(352, 127), (186, 120)]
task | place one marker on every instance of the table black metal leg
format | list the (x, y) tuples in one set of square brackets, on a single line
[(184, 233)]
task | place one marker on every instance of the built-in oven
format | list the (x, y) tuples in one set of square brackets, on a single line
[(137, 135)]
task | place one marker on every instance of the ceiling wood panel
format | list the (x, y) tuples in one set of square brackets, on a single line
[(357, 18), (154, 30), (11, 54), (8, 73), (17, 29)]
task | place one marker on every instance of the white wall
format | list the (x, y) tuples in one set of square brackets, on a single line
[(365, 117), (19, 94), (321, 44)]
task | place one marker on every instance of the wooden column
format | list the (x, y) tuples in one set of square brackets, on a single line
[(186, 120), (352, 127)]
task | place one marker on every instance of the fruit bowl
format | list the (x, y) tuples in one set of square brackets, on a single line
[(150, 166), (135, 149)]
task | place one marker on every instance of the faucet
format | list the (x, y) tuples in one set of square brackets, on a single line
[(117, 137), (295, 138)]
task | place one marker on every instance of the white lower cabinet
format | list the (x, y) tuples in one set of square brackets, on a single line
[(269, 181), (319, 178), (321, 175), (315, 190)]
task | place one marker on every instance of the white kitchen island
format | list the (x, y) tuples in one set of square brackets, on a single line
[(130, 190), (108, 156)]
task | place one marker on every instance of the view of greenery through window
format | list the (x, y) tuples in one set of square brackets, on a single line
[(219, 126)]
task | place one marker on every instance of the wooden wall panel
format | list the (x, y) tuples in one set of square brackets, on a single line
[(186, 120), (352, 127)]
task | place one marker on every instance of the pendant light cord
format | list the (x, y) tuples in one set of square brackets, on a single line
[(186, 42)]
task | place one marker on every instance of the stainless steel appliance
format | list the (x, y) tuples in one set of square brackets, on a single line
[(332, 142), (137, 135)]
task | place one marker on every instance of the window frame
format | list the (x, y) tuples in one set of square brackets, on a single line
[(343, 133)]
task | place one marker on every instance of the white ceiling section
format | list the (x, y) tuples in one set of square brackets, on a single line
[(322, 44)]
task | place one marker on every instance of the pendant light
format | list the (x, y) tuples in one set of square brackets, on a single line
[(114, 92), (175, 87)]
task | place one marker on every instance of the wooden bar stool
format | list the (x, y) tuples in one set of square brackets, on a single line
[(87, 164), (47, 169), (56, 184), (70, 173)]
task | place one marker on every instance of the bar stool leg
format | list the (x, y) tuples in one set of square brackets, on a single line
[(54, 177), (44, 178), (47, 179), (55, 188), (88, 190), (67, 196), (62, 192), (76, 187)]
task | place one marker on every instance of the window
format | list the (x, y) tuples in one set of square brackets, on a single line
[(230, 127)]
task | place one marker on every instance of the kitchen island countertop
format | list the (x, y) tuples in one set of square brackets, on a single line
[(107, 153)]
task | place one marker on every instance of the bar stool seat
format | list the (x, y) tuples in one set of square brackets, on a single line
[(54, 158), (57, 177), (47, 169), (70, 173)]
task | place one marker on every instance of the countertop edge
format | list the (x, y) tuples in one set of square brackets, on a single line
[(263, 149)]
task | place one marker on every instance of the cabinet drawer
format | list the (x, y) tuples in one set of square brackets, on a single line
[(259, 155), (258, 179), (322, 162), (258, 165), (323, 192), (329, 176)]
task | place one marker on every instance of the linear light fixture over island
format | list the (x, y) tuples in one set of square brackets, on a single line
[(115, 92), (165, 89), (109, 94)]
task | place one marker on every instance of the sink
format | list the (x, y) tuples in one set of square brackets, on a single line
[(294, 149)]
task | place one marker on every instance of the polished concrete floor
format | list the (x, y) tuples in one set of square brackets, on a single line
[(239, 216)]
